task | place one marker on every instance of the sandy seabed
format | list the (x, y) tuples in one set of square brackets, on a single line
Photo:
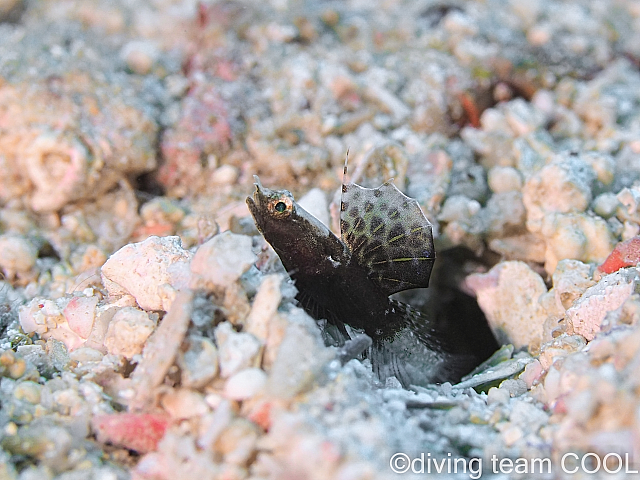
[(148, 331)]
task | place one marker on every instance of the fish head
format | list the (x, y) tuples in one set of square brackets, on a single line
[(272, 210), (297, 236)]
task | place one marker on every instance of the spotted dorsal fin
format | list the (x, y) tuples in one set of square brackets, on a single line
[(388, 235)]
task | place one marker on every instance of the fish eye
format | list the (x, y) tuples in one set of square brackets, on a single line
[(281, 207)]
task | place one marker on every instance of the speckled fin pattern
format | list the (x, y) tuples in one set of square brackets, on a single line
[(388, 235)]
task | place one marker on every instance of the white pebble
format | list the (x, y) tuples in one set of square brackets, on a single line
[(497, 395), (606, 204), (539, 34), (236, 350), (184, 403), (511, 435), (630, 230), (18, 254), (224, 175), (28, 391), (245, 384), (629, 199), (140, 55), (85, 355), (504, 179)]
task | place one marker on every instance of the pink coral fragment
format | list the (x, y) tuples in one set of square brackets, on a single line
[(136, 431), (483, 281), (80, 313), (203, 128)]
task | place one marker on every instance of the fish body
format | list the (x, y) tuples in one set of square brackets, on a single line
[(386, 246)]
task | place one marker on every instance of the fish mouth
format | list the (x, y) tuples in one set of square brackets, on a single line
[(252, 205)]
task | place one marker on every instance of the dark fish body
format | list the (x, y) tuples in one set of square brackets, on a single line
[(386, 247)]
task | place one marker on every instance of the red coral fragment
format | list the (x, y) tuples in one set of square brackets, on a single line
[(471, 109), (261, 415), (626, 254), (136, 431)]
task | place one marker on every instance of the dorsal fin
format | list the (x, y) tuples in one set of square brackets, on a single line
[(388, 235), (344, 183), (344, 171)]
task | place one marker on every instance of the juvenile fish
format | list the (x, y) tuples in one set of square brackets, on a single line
[(386, 246)]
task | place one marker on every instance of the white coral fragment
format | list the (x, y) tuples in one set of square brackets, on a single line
[(560, 187), (128, 332), (570, 279), (579, 236), (57, 167), (144, 269), (45, 317), (265, 306), (630, 208), (199, 364), (223, 259), (509, 296), (588, 312), (300, 359)]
